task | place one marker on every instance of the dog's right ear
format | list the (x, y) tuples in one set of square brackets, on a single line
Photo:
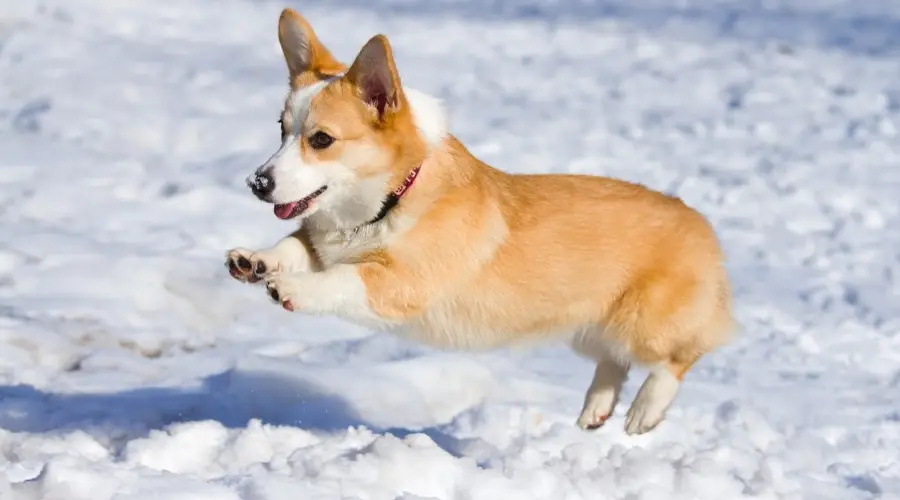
[(301, 47)]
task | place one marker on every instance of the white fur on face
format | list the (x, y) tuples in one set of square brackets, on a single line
[(294, 179)]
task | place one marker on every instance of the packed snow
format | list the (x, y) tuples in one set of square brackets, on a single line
[(132, 367)]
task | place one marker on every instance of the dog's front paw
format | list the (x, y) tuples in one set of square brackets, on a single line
[(284, 289), (249, 266)]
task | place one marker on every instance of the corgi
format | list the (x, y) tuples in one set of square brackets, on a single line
[(400, 228)]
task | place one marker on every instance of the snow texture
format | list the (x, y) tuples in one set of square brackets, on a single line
[(132, 367)]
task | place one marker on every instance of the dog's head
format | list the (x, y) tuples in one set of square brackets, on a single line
[(348, 135)]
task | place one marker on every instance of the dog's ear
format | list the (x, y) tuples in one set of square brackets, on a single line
[(301, 47), (374, 74)]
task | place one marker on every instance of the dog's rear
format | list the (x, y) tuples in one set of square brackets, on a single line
[(501, 259), (470, 256)]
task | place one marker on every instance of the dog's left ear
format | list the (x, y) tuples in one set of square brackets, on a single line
[(374, 74), (301, 47)]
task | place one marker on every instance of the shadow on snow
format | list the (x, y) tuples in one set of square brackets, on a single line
[(231, 398)]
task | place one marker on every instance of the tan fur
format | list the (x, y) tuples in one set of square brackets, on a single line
[(506, 256), (490, 259)]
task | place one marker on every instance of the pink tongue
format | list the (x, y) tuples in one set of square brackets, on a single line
[(285, 211)]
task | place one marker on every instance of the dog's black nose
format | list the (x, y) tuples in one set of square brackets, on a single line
[(262, 184)]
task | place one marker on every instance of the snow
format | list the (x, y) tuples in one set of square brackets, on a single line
[(132, 367)]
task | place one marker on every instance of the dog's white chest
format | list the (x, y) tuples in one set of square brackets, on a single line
[(345, 248)]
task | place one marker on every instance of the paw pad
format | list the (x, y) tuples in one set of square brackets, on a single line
[(241, 266)]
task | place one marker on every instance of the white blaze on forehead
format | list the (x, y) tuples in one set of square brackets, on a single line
[(299, 103), (428, 113)]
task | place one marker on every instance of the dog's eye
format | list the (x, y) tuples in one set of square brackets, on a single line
[(320, 140)]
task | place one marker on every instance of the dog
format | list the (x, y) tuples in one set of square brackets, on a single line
[(402, 229)]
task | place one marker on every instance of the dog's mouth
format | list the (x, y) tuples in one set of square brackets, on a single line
[(293, 209)]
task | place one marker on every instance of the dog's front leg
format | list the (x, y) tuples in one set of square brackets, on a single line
[(348, 291), (292, 253)]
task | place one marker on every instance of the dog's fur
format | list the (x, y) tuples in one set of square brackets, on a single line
[(472, 257)]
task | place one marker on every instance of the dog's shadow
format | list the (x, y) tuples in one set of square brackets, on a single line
[(231, 398)]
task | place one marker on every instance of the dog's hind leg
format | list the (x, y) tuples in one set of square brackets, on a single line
[(655, 396), (609, 376), (669, 322)]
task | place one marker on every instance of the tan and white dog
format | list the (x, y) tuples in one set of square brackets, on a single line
[(401, 228)]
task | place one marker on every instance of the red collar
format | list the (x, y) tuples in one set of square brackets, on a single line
[(394, 197), (407, 182)]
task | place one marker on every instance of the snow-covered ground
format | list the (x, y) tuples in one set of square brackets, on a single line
[(133, 368)]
